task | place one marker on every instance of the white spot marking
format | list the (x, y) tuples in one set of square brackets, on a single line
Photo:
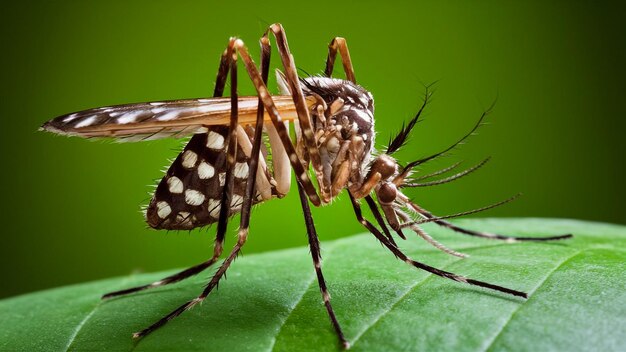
[(175, 184), (363, 115), (193, 197), (86, 122), (205, 109), (163, 209), (237, 201), (215, 140), (241, 170), (70, 117), (183, 218), (169, 116), (189, 159), (205, 170), (157, 103), (158, 110), (222, 178), (129, 117), (214, 208)]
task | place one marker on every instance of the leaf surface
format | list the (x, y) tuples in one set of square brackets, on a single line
[(271, 301)]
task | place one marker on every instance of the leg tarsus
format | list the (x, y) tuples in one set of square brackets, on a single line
[(314, 245), (182, 275), (400, 255)]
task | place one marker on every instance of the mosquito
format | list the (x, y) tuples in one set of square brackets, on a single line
[(241, 153)]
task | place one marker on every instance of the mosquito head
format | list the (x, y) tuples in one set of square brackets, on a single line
[(380, 176)]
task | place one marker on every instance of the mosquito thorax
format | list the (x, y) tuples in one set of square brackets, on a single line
[(344, 127)]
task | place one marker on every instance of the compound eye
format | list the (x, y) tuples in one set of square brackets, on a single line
[(387, 193)]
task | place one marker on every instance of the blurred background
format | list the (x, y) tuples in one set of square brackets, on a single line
[(70, 207)]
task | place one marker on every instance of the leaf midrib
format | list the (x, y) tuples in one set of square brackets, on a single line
[(84, 321), (293, 307)]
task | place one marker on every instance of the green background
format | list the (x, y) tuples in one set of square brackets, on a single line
[(70, 207)]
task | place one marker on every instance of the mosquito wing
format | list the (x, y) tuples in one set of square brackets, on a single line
[(174, 118)]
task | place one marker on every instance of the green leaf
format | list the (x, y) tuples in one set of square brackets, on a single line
[(271, 301)]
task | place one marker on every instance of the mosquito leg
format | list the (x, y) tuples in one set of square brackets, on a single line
[(281, 168), (194, 270), (304, 118), (297, 165), (359, 215), (220, 82), (256, 147), (225, 202), (419, 210), (381, 222), (249, 190), (314, 245), (445, 274), (339, 44), (305, 123)]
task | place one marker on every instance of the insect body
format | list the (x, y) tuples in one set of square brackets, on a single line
[(225, 169)]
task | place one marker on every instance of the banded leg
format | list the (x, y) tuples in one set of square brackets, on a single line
[(379, 219), (304, 118), (314, 245), (339, 44), (220, 82), (225, 202), (297, 165), (428, 215), (310, 142), (249, 192), (445, 274)]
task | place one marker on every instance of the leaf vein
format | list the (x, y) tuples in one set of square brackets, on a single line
[(519, 307), (414, 286), (82, 323), (80, 326)]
